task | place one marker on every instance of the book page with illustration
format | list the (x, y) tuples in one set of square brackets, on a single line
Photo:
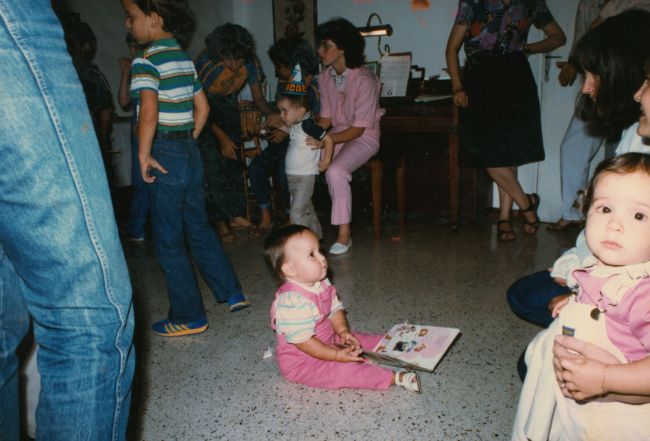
[(413, 346)]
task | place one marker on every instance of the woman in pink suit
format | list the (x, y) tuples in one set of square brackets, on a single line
[(350, 107)]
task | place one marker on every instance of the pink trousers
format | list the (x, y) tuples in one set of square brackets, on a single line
[(334, 375), (348, 157)]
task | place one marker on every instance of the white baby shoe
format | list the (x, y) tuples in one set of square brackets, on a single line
[(409, 381)]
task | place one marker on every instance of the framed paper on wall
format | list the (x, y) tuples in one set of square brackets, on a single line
[(294, 18)]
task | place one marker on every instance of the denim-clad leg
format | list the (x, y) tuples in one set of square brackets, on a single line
[(529, 297), (139, 208), (168, 194), (576, 152), (15, 324), (179, 219), (207, 250), (262, 167), (58, 230)]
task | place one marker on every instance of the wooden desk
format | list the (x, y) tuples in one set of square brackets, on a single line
[(404, 119)]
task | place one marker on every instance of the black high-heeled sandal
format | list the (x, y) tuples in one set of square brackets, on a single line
[(533, 205)]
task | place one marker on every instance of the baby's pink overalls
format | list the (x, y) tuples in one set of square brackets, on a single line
[(297, 366)]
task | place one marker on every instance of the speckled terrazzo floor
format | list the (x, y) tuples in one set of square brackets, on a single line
[(217, 386)]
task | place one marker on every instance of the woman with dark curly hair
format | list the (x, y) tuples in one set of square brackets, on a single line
[(350, 106), (225, 67), (285, 54)]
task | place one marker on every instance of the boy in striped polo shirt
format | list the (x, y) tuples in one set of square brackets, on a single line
[(172, 111)]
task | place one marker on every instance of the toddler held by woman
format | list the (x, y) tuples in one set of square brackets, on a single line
[(611, 310), (315, 345)]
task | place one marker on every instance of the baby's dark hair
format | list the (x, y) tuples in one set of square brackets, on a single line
[(346, 37), (274, 246), (295, 100), (621, 165), (177, 16), (291, 51), (230, 41)]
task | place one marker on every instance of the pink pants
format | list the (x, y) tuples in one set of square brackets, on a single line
[(348, 157), (334, 375)]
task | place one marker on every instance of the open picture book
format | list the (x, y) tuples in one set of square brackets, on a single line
[(413, 347)]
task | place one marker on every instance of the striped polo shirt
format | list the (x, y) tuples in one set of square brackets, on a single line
[(166, 69)]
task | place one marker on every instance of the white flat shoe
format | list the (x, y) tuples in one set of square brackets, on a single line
[(339, 248)]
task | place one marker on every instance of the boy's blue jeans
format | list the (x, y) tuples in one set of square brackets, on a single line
[(139, 208), (180, 223), (61, 261), (262, 167)]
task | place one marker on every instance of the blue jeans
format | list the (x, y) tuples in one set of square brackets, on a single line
[(576, 152), (180, 222), (139, 208), (61, 261), (262, 167), (529, 297)]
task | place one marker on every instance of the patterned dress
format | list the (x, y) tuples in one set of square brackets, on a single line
[(224, 182), (502, 125)]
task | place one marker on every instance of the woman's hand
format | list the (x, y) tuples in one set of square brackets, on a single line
[(460, 98), (314, 143), (582, 378), (146, 165), (559, 280), (277, 136), (228, 148), (323, 164), (327, 155), (567, 74), (273, 121), (579, 367), (557, 303)]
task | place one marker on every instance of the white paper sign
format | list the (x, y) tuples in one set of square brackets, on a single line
[(394, 74)]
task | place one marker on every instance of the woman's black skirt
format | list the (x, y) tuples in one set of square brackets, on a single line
[(501, 127)]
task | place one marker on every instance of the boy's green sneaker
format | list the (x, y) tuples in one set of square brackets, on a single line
[(166, 328)]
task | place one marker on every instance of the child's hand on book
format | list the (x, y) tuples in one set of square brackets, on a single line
[(345, 354), (348, 339)]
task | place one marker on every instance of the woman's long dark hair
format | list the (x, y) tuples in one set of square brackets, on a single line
[(616, 51), (346, 37)]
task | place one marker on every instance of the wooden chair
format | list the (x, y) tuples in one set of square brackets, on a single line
[(251, 120), (376, 175)]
